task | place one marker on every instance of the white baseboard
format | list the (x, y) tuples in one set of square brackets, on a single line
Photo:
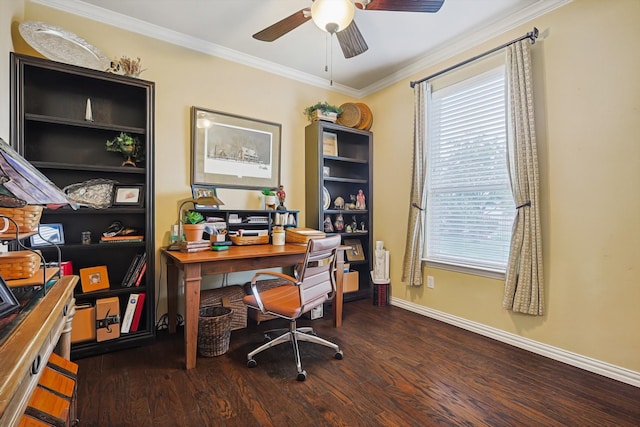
[(592, 365)]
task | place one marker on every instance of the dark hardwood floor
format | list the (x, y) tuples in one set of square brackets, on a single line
[(399, 369)]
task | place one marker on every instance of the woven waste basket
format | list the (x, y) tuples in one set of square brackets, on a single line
[(214, 330)]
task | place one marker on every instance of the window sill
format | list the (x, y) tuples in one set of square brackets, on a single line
[(475, 271)]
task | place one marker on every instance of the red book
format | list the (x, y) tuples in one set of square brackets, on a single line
[(141, 275), (138, 313)]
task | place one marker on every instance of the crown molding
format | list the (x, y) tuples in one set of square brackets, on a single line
[(467, 42), (99, 14), (429, 59)]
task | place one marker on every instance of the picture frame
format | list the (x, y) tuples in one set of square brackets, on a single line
[(8, 301), (233, 151), (94, 278), (48, 234), (128, 195), (204, 191), (329, 144), (355, 253)]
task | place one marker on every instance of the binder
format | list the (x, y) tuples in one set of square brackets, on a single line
[(128, 314), (138, 313)]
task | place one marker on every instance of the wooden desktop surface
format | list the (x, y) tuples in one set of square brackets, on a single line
[(236, 258)]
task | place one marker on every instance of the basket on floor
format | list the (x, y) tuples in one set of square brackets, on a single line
[(214, 330)]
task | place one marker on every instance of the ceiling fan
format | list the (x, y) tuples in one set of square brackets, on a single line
[(336, 17)]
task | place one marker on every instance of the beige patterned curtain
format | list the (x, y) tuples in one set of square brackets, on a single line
[(524, 290), (412, 263)]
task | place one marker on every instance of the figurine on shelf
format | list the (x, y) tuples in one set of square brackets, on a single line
[(339, 223), (338, 203), (352, 204), (360, 203), (281, 196), (362, 226), (354, 224), (328, 227)]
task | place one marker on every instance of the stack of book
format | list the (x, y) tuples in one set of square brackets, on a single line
[(136, 271), (120, 239), (198, 246)]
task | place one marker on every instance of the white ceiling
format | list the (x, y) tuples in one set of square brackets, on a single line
[(400, 43)]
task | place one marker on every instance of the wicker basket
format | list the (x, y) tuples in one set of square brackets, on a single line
[(27, 218), (249, 240), (227, 296), (214, 330), (19, 264), (350, 116)]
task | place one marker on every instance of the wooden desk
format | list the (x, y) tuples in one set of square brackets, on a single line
[(24, 353), (237, 258)]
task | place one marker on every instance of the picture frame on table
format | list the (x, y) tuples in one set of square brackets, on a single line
[(128, 195), (231, 151), (329, 144), (8, 301), (204, 191), (48, 234)]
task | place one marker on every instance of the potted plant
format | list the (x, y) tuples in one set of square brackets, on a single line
[(193, 226), (129, 146), (269, 199), (322, 111)]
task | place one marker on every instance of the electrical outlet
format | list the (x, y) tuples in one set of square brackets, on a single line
[(431, 283)]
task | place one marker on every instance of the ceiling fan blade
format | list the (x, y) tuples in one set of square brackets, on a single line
[(283, 26), (351, 41), (429, 6)]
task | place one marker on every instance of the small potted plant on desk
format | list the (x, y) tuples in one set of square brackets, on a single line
[(193, 226), (269, 199)]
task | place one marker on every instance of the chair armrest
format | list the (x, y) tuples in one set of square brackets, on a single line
[(254, 286)]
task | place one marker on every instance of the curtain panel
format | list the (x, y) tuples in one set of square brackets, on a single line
[(414, 246), (524, 288)]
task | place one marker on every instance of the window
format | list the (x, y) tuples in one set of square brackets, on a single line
[(470, 208)]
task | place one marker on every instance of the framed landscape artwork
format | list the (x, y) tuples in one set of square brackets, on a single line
[(234, 151)]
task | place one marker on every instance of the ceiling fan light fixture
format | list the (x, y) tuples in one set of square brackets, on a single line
[(332, 15)]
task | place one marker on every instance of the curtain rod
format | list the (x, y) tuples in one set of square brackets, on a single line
[(533, 35)]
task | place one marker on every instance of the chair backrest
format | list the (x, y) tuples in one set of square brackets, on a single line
[(317, 277)]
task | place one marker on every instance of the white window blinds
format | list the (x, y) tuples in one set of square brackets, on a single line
[(470, 208)]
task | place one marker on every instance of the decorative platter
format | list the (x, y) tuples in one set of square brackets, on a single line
[(60, 45), (326, 198)]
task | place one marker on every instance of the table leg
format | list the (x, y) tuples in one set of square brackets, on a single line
[(192, 279), (172, 296), (338, 299)]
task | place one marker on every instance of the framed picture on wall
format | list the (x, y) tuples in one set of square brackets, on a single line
[(233, 151)]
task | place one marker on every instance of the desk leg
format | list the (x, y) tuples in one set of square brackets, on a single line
[(337, 300), (172, 296), (192, 278)]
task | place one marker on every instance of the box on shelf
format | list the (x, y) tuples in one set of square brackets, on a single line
[(350, 281), (83, 325), (227, 296), (107, 319)]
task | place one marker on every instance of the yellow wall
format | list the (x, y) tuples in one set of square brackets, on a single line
[(587, 123), (588, 127)]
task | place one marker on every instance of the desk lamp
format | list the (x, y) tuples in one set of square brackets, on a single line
[(205, 200)]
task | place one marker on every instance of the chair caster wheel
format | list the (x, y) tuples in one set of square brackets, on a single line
[(302, 376), (338, 355), (251, 363)]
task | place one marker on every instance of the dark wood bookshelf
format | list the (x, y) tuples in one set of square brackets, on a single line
[(48, 106)]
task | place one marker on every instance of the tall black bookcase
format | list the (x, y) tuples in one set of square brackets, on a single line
[(338, 163), (50, 128)]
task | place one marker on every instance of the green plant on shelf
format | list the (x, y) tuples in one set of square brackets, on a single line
[(129, 146), (325, 107)]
